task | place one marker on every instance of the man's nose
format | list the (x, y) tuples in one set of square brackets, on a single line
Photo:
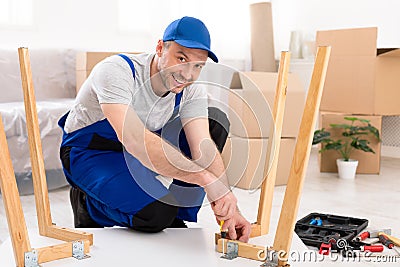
[(187, 72)]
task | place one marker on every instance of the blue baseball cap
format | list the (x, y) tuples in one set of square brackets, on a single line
[(191, 33)]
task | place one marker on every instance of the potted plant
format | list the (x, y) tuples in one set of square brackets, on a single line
[(353, 134)]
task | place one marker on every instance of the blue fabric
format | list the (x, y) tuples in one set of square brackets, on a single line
[(127, 59), (104, 176), (115, 191), (117, 184)]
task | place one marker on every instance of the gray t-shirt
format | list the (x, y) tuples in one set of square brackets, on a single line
[(111, 81)]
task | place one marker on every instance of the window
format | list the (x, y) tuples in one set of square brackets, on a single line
[(16, 13)]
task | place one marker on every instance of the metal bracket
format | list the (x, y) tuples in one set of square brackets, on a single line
[(78, 250), (31, 259), (232, 250), (271, 259)]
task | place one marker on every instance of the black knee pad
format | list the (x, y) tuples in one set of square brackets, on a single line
[(82, 218), (64, 156), (156, 216), (218, 126)]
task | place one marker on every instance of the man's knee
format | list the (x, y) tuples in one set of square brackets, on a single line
[(156, 216), (82, 217), (218, 126)]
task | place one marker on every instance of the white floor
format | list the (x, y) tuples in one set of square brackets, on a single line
[(373, 197)]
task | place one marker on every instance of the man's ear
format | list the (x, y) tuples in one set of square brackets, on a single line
[(159, 47)]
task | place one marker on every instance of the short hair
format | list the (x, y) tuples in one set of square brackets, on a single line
[(167, 44)]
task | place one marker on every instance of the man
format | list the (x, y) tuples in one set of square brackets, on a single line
[(125, 131)]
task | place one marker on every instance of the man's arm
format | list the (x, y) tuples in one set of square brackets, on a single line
[(205, 153), (203, 150), (163, 158)]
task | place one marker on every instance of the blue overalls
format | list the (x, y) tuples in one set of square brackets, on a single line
[(116, 184)]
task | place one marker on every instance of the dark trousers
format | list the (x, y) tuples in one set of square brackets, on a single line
[(158, 215)]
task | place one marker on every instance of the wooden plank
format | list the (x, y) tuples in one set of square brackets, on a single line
[(15, 216), (14, 212), (46, 226), (261, 227), (58, 252), (35, 144), (287, 220), (271, 163), (256, 230), (62, 233), (245, 250)]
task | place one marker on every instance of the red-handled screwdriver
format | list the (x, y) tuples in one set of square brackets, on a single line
[(362, 236), (371, 234), (375, 248)]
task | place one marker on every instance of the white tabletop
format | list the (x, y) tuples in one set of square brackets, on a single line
[(172, 247)]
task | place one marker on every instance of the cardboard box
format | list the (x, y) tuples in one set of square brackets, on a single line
[(244, 160), (262, 37), (251, 103), (85, 62), (368, 163), (361, 79)]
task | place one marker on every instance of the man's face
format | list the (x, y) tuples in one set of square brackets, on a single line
[(179, 66)]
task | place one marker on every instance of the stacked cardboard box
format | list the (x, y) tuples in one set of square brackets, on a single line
[(251, 101), (85, 62), (362, 80), (244, 159)]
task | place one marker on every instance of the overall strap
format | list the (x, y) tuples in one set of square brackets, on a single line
[(178, 99), (177, 103), (127, 59)]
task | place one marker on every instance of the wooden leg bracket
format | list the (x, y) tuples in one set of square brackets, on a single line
[(66, 234), (60, 251), (78, 242), (253, 252), (46, 226), (245, 250)]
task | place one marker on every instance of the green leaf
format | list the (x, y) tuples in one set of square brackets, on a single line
[(371, 130), (340, 126), (362, 145), (351, 118), (333, 145), (364, 120), (320, 136)]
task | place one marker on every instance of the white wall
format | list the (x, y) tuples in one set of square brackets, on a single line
[(312, 15), (93, 24), (89, 24)]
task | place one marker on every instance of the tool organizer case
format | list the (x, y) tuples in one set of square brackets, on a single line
[(332, 225)]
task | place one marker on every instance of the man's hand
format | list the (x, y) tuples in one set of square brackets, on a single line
[(225, 207), (238, 227)]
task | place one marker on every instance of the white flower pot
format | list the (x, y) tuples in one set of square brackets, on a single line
[(347, 169)]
